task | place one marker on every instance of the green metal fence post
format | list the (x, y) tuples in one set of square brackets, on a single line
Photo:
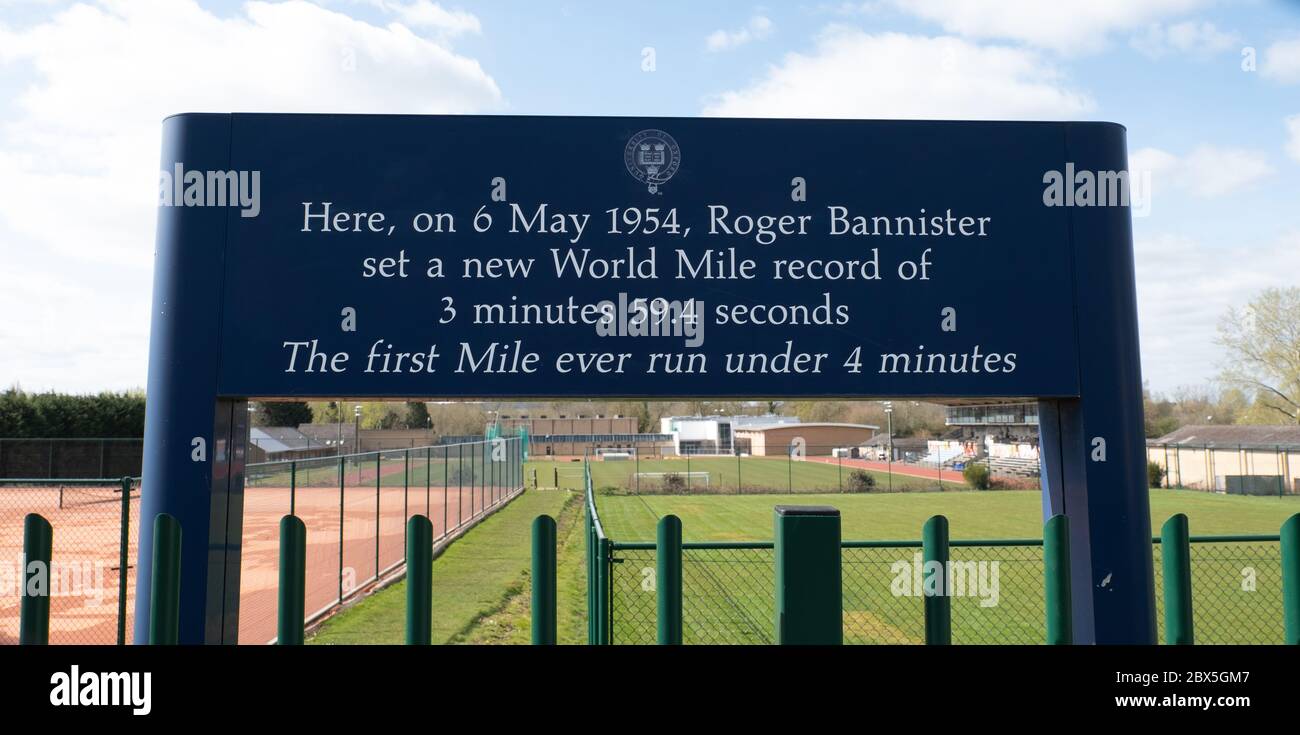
[(543, 578), (809, 584), (342, 514), (419, 581), (604, 631), (938, 603), (668, 579), (165, 586), (406, 489), (34, 612), (1290, 548), (591, 571), (123, 547), (1175, 551), (1056, 565), (293, 581)]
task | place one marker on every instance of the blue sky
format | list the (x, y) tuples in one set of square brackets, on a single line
[(1209, 91)]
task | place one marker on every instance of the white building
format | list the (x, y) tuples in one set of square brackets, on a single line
[(713, 434)]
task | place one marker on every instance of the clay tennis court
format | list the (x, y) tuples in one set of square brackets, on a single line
[(364, 514), (370, 540), (84, 559)]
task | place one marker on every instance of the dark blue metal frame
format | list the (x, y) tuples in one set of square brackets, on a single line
[(1053, 284)]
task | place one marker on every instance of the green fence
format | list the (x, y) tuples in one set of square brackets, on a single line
[(354, 511), (997, 590), (92, 576)]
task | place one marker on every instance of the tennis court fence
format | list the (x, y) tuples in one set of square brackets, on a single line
[(354, 507)]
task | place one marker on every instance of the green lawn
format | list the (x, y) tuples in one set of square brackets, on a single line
[(475, 581), (971, 515), (1236, 586), (727, 475), (481, 583)]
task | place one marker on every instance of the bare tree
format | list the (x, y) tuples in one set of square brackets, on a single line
[(1263, 345)]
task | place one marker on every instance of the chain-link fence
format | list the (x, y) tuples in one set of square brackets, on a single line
[(93, 555), (355, 508), (791, 469), (70, 458), (1236, 589), (996, 589)]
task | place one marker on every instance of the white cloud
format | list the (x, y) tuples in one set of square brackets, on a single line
[(758, 28), (1061, 25), (1185, 285), (1281, 61), (1293, 139), (1189, 37), (1206, 171), (432, 16), (79, 145), (854, 74)]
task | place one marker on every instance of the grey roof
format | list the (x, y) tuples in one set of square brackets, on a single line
[(1233, 436), (276, 439), (808, 425)]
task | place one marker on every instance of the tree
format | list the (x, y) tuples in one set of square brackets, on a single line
[(1263, 345), (282, 413), (417, 415)]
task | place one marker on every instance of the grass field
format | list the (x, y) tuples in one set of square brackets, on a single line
[(736, 475), (971, 515), (1236, 586), (479, 584)]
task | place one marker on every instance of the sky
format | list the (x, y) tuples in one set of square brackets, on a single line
[(1209, 92)]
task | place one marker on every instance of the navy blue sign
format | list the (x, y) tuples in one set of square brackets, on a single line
[(340, 256), (480, 256)]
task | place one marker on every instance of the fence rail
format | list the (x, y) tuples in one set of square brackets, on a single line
[(997, 593)]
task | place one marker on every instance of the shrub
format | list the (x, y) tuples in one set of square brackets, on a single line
[(977, 476), (1155, 474), (674, 484), (861, 481)]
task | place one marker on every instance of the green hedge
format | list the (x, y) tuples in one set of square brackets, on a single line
[(59, 415)]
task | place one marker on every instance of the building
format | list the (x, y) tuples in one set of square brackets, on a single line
[(712, 434), (768, 435), (279, 443), (812, 439), (906, 448), (578, 436), (1007, 434), (1249, 460)]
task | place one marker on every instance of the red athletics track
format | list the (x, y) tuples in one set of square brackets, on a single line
[(898, 468)]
